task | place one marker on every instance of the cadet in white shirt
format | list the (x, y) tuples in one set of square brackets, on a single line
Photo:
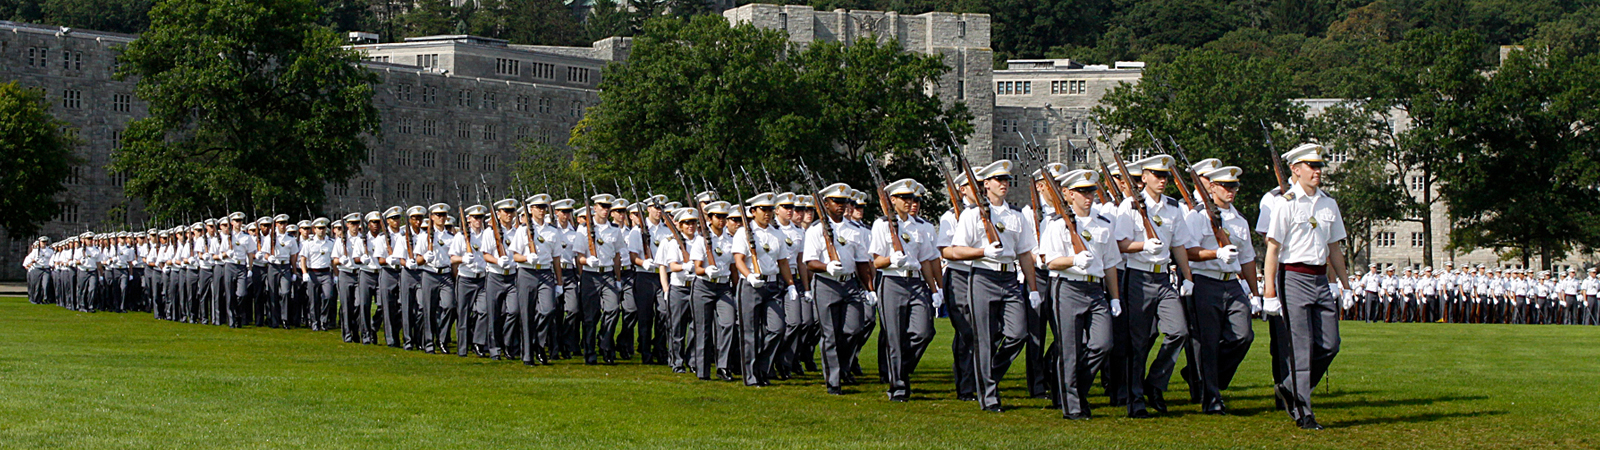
[(438, 289), (535, 246), (388, 251), (1222, 306), (835, 262), (957, 274), (316, 266), (905, 252), (998, 318), (37, 263), (348, 249), (1153, 301), (766, 281), (1084, 294), (467, 251), (673, 256), (1304, 235), (599, 253), (494, 323)]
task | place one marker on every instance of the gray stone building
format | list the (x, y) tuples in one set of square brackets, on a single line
[(1047, 102), (452, 108)]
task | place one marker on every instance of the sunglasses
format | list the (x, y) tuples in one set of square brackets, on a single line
[(1002, 178), (1086, 190), (764, 208), (841, 201), (1161, 174), (907, 197)]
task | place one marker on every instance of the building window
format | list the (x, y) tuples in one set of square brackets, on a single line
[(503, 66), (428, 157), (403, 190), (1337, 156), (1080, 127), (382, 59), (430, 127), (340, 190), (1013, 87), (1008, 153), (545, 134), (405, 126), (961, 89), (430, 60), (117, 177), (43, 55), (116, 138), (463, 130), (428, 191), (463, 162), (71, 99), (1010, 126), (1041, 128), (522, 103), (402, 92), (1417, 239), (430, 94), (578, 74), (490, 163), (121, 102), (464, 98), (1417, 183), (577, 109), (75, 176), (961, 29), (1384, 239), (72, 60), (488, 100), (546, 104), (403, 158), (488, 132), (522, 132), (543, 70), (366, 189), (69, 214)]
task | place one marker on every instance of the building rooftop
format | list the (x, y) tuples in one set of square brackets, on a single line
[(1013, 65)]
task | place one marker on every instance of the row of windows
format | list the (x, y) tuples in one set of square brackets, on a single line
[(1386, 239), (1069, 87), (1013, 87), (578, 74)]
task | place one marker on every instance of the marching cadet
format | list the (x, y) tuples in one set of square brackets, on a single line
[(282, 256), (835, 262), (1569, 297), (957, 274), (599, 253), (999, 244), (370, 258), (1591, 289), (1222, 305), (388, 252), (1406, 285), (1370, 284), (349, 249), (411, 325), (1303, 239), (712, 255), (627, 271), (674, 258), (1084, 296), (797, 311), (316, 267), (467, 251), (437, 292), (642, 238), (904, 251), (1388, 290), (37, 263), (1037, 361), (237, 274), (1426, 294), (490, 331), (1153, 301), (535, 247), (760, 257), (566, 322)]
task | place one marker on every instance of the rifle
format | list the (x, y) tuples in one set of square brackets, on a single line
[(705, 224), (644, 227), (461, 211), (749, 232), (1058, 202), (827, 222), (594, 219), (1213, 216), (1272, 155), (494, 222), (1182, 189), (890, 217), (983, 199), (528, 234), (411, 253), (1138, 199)]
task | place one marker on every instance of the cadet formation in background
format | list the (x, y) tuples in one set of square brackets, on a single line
[(1128, 270)]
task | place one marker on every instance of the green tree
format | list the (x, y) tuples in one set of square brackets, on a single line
[(250, 103), (1367, 185), (607, 18), (38, 153), (541, 22), (429, 18)]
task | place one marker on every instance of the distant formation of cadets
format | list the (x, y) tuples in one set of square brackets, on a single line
[(758, 289), (1475, 294)]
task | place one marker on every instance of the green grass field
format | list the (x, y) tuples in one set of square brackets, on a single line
[(73, 380)]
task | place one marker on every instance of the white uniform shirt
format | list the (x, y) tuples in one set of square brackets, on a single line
[(547, 245), (947, 233), (609, 244), (849, 251), (38, 258), (917, 246), (795, 242), (1305, 225), (1016, 236), (1168, 219), (283, 246), (1238, 230), (1099, 238), (318, 253), (468, 245), (721, 246), (770, 248), (435, 253), (670, 252)]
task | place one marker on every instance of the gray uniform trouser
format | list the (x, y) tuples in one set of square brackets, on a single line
[(761, 312), (679, 322), (1152, 307), (957, 279), (1082, 327), (840, 315), (117, 285), (282, 286), (237, 285), (639, 312), (38, 286), (438, 294), (1037, 361), (319, 292), (569, 323), (389, 304), (627, 318), (537, 303), (704, 304), (796, 313), (469, 293), (348, 285), (1222, 336), (1311, 322), (907, 314), (489, 329), (205, 295), (411, 316), (598, 297), (361, 311), (999, 329)]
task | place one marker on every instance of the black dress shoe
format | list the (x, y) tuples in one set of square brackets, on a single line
[(679, 370), (994, 409), (1217, 412), (1154, 400), (725, 374), (1139, 414), (898, 398), (834, 390), (590, 361), (967, 397), (1078, 416), (1309, 423)]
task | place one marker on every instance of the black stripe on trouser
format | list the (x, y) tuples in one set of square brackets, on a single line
[(389, 304), (1082, 327), (956, 284), (644, 292), (679, 322), (1310, 316), (469, 295), (348, 284), (706, 298), (907, 314), (840, 316), (489, 329), (598, 302), (999, 329), (361, 309), (762, 316), (436, 295), (536, 295), (1153, 308), (1223, 334), (410, 309)]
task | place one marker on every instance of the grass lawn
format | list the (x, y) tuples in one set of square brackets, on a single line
[(73, 380)]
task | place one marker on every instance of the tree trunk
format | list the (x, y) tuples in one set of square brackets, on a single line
[(1427, 215)]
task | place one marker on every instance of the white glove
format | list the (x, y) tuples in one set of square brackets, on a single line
[(792, 294), (469, 257), (616, 285), (1186, 289), (835, 268), (872, 299), (755, 281), (1082, 260), (1228, 253), (1349, 302), (1255, 304), (1271, 307), (649, 265), (992, 250), (560, 289), (592, 261), (938, 299), (807, 297), (428, 256), (897, 259), (1116, 307), (713, 271), (1034, 299), (1336, 290), (1154, 247)]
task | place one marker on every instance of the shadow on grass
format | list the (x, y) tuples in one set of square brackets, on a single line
[(1411, 418)]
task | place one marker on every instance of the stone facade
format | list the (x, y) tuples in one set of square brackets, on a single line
[(1047, 102), (452, 109)]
